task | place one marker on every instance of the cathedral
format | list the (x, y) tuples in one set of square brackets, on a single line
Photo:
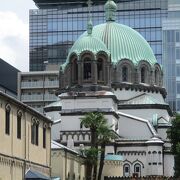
[(112, 69)]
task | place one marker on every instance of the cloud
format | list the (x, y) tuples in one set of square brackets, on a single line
[(14, 40)]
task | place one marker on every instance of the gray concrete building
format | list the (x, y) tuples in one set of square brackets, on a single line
[(37, 89)]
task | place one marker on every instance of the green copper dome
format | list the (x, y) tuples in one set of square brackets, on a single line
[(123, 43), (88, 43)]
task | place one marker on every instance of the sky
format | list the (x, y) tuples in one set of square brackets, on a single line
[(14, 32)]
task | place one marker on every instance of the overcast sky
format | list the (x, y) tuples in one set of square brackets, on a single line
[(14, 32)]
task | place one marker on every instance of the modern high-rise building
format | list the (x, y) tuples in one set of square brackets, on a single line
[(57, 24), (171, 54)]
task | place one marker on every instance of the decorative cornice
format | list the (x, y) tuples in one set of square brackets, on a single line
[(140, 87)]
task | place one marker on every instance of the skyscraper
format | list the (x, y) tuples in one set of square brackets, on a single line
[(171, 54), (56, 25)]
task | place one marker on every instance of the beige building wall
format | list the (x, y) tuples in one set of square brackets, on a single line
[(112, 168), (67, 165), (18, 155)]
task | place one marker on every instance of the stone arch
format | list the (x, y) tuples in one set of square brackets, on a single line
[(158, 76), (74, 68), (126, 169), (86, 59), (101, 66), (125, 71), (144, 71)]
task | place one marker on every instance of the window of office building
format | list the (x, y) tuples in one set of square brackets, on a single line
[(178, 53), (177, 36), (178, 87), (178, 105), (178, 70)]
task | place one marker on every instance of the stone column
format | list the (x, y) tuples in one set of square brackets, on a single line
[(94, 71), (80, 72)]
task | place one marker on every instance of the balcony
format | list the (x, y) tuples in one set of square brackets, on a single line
[(51, 83), (50, 97), (27, 98), (32, 84)]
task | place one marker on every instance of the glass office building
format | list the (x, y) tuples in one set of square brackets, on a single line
[(171, 54), (57, 24)]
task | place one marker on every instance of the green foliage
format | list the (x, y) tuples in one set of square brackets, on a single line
[(91, 155), (174, 136)]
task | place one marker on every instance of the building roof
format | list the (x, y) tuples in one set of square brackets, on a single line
[(121, 41), (113, 157), (143, 99), (31, 174), (55, 145), (88, 43), (22, 105)]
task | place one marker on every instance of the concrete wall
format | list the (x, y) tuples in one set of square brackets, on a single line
[(66, 164)]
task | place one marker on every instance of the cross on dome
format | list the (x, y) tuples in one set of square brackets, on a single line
[(89, 25)]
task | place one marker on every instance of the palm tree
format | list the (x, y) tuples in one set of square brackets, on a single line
[(106, 135), (93, 121), (91, 161)]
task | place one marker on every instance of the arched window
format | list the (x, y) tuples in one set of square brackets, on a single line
[(7, 119), (157, 77), (137, 169), (100, 69), (126, 170), (143, 75), (19, 116), (124, 74), (87, 69)]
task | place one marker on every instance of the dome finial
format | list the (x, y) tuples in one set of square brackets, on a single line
[(110, 10), (89, 24)]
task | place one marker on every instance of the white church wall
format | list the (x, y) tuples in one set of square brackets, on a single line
[(88, 103), (154, 160), (168, 164), (147, 113), (131, 128), (162, 133), (134, 155)]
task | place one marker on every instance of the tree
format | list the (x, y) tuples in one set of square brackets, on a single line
[(93, 121), (91, 161), (105, 135), (174, 136)]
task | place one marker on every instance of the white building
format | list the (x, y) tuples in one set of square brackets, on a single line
[(112, 69)]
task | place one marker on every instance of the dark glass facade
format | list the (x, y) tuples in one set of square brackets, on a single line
[(171, 54), (53, 31)]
